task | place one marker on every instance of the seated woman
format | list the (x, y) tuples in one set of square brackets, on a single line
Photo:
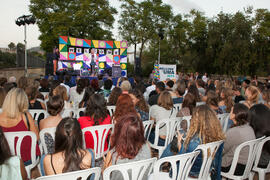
[(89, 91), (55, 107), (239, 133), (62, 92), (116, 92), (204, 128), (69, 154), (265, 96), (140, 104), (76, 95), (226, 102), (15, 117), (11, 167), (124, 105), (95, 114), (259, 120), (128, 143), (44, 85), (31, 93), (163, 110), (252, 96), (212, 101)]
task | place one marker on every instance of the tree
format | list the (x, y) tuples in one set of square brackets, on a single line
[(20, 47), (83, 19), (11, 46)]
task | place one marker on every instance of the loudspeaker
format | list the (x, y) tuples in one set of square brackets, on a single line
[(138, 66)]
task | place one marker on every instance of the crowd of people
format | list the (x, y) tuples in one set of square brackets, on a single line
[(246, 100)]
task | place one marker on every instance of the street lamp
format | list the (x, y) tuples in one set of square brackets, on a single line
[(161, 37), (24, 20)]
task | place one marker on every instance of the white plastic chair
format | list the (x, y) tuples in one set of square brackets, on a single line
[(45, 94), (100, 134), (180, 166), (111, 110), (187, 118), (207, 158), (82, 175), (224, 120), (147, 128), (1, 110), (260, 171), (11, 136), (252, 151), (37, 114), (171, 127), (131, 171), (200, 103), (177, 106), (43, 132), (79, 112), (69, 113)]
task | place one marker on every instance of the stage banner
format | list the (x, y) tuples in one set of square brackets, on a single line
[(167, 71), (106, 53)]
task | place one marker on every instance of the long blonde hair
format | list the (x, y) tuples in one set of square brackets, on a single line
[(205, 123), (255, 94), (61, 91), (15, 103)]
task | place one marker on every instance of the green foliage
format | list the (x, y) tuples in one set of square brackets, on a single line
[(90, 19), (7, 60), (12, 46), (232, 44), (20, 47)]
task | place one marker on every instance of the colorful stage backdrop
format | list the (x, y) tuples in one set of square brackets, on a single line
[(77, 51)]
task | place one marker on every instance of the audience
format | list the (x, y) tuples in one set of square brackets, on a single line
[(212, 101), (15, 117), (96, 113), (239, 133), (259, 115), (153, 100), (128, 143), (23, 82), (62, 92), (2, 96), (116, 92), (265, 96), (180, 91), (31, 93), (125, 86), (11, 167), (141, 105), (76, 95), (89, 91), (252, 96), (69, 154), (226, 101), (194, 90), (204, 128), (107, 88), (44, 85)]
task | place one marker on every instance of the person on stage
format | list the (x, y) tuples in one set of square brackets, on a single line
[(55, 60), (93, 58)]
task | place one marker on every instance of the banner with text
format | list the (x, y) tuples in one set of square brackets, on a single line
[(167, 71)]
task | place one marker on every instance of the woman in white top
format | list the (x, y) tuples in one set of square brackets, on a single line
[(11, 167), (76, 95), (163, 110)]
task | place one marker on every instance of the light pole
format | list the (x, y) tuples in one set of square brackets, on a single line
[(161, 37), (23, 20)]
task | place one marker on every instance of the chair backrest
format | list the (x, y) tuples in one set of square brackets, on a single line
[(187, 118), (82, 175), (38, 114), (259, 152), (111, 110), (177, 106), (46, 131), (208, 154), (1, 110), (147, 128), (45, 94), (252, 146), (224, 119), (100, 134), (171, 127), (200, 103), (69, 113), (80, 112), (16, 150), (131, 171), (180, 165)]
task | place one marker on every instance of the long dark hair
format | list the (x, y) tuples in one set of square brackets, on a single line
[(194, 90), (189, 102), (68, 139), (241, 114), (4, 148), (96, 108), (141, 104), (88, 92), (80, 86), (259, 115)]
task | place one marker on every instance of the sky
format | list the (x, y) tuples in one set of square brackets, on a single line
[(10, 10)]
